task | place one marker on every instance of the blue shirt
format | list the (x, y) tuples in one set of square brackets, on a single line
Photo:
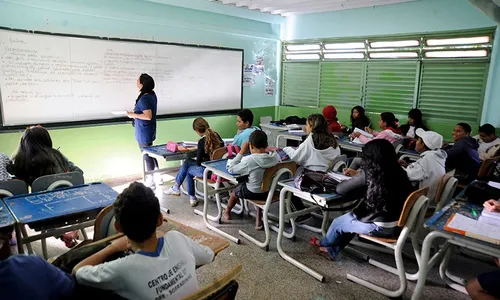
[(243, 136), (31, 277), (145, 131)]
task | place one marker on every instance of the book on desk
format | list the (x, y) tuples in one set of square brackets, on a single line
[(477, 229)]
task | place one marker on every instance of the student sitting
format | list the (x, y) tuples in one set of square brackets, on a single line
[(161, 267), (485, 286), (414, 122), (35, 157), (316, 153), (253, 165), (385, 187), (330, 114), (463, 155), (4, 162), (388, 123), (209, 142), (430, 167), (30, 277), (358, 119), (244, 122), (489, 143)]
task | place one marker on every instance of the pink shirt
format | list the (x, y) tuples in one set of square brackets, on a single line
[(386, 135)]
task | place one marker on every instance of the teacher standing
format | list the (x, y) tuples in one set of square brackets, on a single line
[(144, 116)]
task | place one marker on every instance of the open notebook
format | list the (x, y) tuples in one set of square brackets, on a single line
[(477, 229)]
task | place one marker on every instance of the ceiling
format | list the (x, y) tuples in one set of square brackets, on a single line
[(296, 7)]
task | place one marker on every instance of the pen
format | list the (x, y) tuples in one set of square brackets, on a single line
[(474, 213)]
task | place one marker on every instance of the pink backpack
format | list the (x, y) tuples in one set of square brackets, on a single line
[(172, 147)]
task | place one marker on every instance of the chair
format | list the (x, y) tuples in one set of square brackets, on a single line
[(446, 189), (104, 225), (411, 221), (56, 181), (398, 145), (338, 163), (224, 288), (50, 183), (13, 187), (487, 167), (219, 153), (269, 184)]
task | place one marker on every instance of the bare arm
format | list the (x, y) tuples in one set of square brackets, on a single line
[(146, 115)]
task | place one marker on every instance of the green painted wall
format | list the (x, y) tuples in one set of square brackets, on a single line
[(443, 128), (111, 151)]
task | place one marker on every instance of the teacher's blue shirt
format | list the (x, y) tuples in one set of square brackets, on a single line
[(145, 131)]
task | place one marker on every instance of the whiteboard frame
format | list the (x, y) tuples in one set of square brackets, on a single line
[(122, 120)]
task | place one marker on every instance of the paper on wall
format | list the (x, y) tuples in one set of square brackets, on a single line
[(269, 91), (248, 75), (259, 60), (258, 69), (270, 81)]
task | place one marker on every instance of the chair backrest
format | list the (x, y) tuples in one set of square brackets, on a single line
[(224, 287), (442, 184), (51, 182), (270, 172), (218, 153), (487, 167), (398, 145), (410, 201), (12, 187), (448, 191), (104, 224), (338, 163)]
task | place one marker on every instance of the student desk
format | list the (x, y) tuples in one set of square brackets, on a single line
[(161, 152), (217, 167), (436, 224), (58, 211), (410, 154), (333, 201), (6, 218), (272, 131), (346, 145), (295, 136)]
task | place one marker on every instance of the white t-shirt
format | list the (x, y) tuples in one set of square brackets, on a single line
[(484, 147), (168, 273), (411, 132)]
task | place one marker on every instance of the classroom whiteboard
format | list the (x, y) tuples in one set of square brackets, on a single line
[(62, 79)]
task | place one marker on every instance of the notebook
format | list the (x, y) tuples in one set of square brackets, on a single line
[(492, 218), (368, 135), (473, 228), (338, 177)]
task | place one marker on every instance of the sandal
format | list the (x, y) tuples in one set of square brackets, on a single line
[(314, 241), (224, 217)]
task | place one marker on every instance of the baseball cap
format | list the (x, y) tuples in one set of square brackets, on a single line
[(432, 140)]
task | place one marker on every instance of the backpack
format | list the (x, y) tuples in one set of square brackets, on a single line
[(315, 182)]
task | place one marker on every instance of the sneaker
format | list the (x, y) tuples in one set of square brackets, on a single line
[(194, 202), (172, 191)]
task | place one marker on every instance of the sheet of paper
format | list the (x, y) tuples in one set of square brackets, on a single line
[(119, 113), (338, 177), (228, 140), (357, 141), (475, 227), (189, 143), (494, 184), (489, 214), (491, 221), (293, 126), (363, 132)]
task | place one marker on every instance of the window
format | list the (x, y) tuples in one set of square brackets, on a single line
[(442, 74)]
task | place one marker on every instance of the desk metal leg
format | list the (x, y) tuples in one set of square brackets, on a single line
[(25, 235), (44, 247), (425, 266), (283, 197), (452, 281), (205, 206), (19, 238)]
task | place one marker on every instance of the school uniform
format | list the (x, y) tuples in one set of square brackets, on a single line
[(193, 168), (167, 273), (307, 156), (31, 277), (363, 219), (253, 165), (430, 167), (392, 135), (464, 158), (410, 130), (242, 137), (145, 130), (487, 150)]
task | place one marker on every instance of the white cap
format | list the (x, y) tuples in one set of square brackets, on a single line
[(432, 140)]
